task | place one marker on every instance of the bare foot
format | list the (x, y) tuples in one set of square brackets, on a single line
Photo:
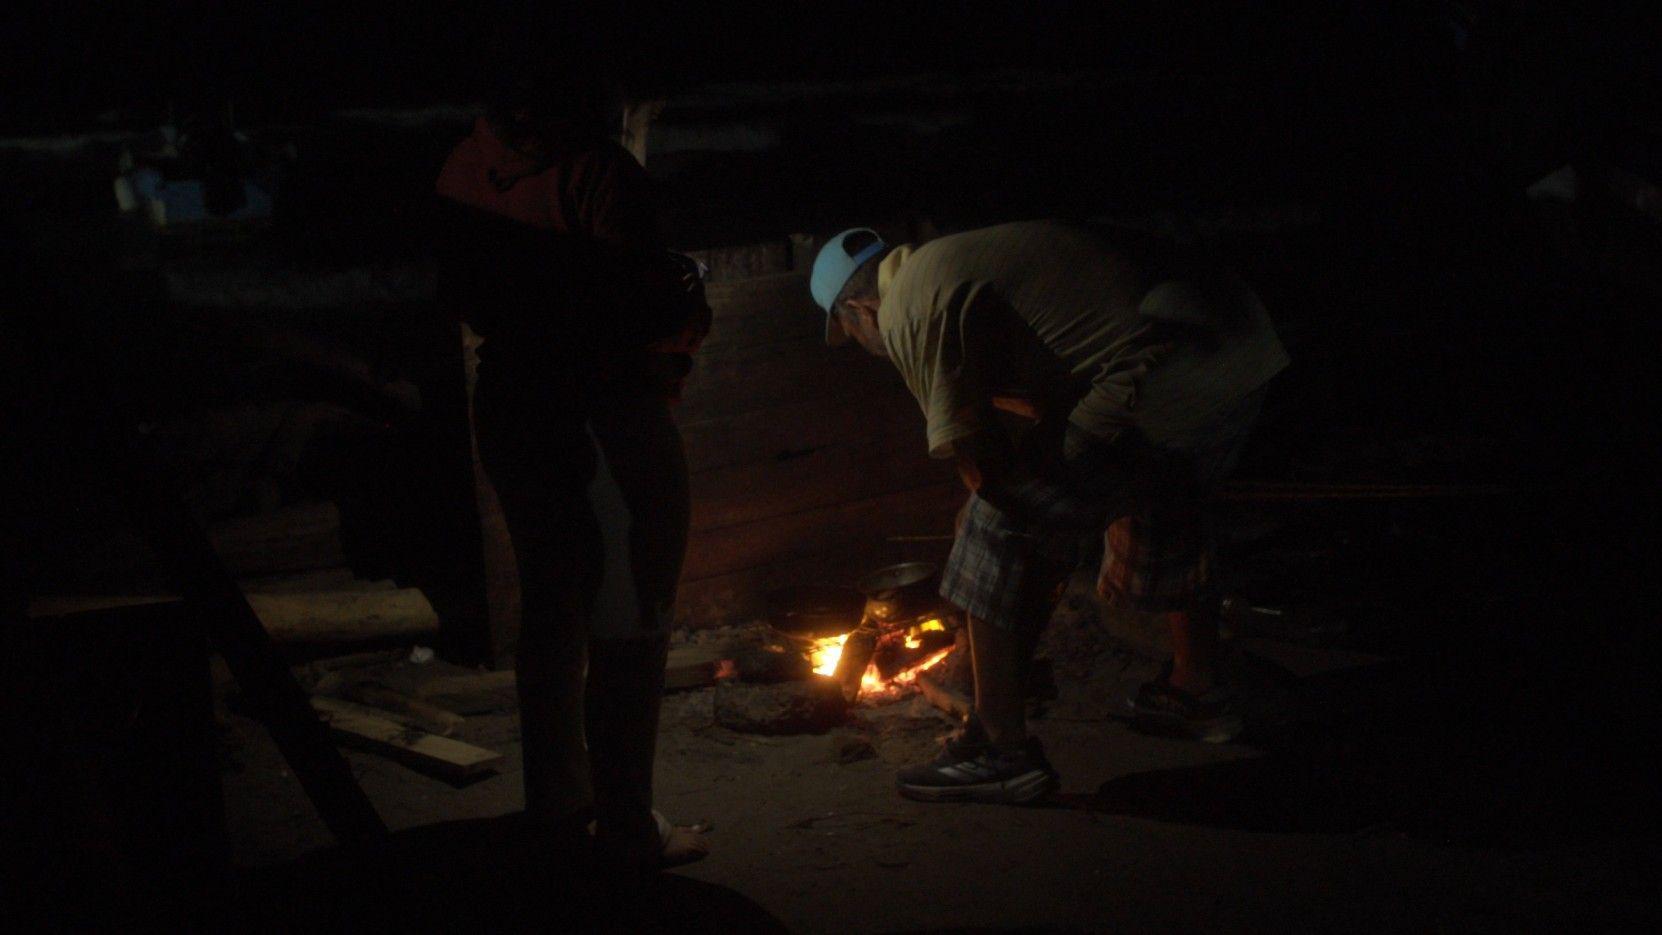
[(684, 845)]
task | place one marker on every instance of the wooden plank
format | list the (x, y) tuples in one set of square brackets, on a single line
[(794, 426), (250, 654), (756, 378), (399, 707), (62, 605), (447, 758), (325, 616), (691, 667), (378, 701), (947, 699), (821, 476), (857, 525)]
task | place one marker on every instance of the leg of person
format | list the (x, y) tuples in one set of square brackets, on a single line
[(995, 656), (1002, 657), (991, 575), (1160, 560), (1194, 629), (1194, 645), (1156, 563), (539, 464), (549, 664), (642, 498)]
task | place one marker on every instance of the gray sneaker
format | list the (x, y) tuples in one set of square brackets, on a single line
[(1158, 707), (970, 771)]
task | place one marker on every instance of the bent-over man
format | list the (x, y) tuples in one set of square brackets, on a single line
[(1143, 391)]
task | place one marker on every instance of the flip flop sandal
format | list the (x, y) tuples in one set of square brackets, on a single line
[(680, 845), (677, 845)]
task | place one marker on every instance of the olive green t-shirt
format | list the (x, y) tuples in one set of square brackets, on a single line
[(1050, 312)]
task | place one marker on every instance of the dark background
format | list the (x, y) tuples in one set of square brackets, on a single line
[(1424, 296), (1445, 328)]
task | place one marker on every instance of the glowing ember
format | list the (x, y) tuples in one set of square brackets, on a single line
[(826, 652), (914, 636)]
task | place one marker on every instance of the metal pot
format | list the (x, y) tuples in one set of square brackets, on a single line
[(809, 612), (902, 592)]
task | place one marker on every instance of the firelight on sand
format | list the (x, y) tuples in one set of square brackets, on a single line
[(826, 652)]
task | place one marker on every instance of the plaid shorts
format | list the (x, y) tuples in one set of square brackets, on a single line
[(1157, 548), (1155, 564)]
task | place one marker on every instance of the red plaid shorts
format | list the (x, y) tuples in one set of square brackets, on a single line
[(1158, 551), (1154, 564)]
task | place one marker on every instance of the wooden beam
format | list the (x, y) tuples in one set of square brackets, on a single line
[(1261, 491), (950, 701), (691, 667), (328, 616), (402, 708), (62, 605), (791, 425), (819, 477), (849, 528), (203, 579), (755, 378), (442, 756)]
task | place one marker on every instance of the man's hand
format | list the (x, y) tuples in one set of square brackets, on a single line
[(984, 458), (989, 468), (1023, 406)]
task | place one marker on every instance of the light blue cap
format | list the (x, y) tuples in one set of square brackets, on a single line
[(833, 267)]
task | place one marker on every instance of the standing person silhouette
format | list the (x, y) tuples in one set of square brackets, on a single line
[(551, 252)]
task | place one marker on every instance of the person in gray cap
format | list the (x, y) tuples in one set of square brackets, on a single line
[(1141, 388)]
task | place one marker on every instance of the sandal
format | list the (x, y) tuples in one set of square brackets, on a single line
[(681, 845), (678, 845)]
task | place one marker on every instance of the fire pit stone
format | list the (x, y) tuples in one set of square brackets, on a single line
[(769, 663), (806, 706)]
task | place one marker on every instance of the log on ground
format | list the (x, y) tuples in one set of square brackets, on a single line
[(345, 616), (949, 700)]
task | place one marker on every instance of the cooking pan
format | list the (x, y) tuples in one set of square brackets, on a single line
[(814, 612), (902, 592)]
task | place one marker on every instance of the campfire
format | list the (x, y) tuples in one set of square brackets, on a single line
[(897, 656), (826, 648)]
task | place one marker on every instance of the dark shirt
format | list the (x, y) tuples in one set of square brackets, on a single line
[(550, 259)]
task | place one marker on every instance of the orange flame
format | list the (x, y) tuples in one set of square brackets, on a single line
[(825, 654)]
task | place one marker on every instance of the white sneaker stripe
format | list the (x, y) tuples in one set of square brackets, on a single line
[(967, 771)]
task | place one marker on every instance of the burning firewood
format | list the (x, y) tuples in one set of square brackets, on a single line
[(856, 655), (947, 699)]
